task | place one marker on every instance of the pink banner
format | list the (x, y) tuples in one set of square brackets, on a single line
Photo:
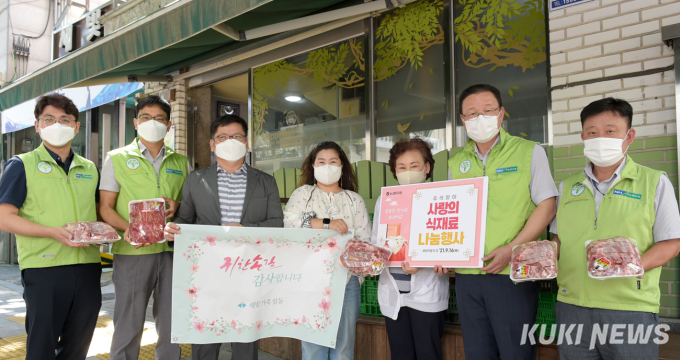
[(440, 223)]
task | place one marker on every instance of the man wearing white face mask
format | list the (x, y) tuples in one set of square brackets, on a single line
[(521, 204), (228, 193), (144, 169), (40, 192), (613, 196)]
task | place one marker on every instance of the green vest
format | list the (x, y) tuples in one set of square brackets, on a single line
[(138, 181), (54, 199), (508, 167), (626, 210)]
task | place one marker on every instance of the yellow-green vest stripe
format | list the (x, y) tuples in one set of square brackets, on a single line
[(55, 198), (138, 181), (619, 215), (508, 167)]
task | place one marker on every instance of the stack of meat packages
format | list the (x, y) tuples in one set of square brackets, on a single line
[(535, 260), (91, 232), (616, 257), (147, 221), (361, 257)]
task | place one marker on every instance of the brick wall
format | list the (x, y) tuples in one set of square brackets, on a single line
[(178, 112), (615, 38)]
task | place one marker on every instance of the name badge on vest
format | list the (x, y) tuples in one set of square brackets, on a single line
[(628, 194), (176, 172), (506, 170), (83, 176)]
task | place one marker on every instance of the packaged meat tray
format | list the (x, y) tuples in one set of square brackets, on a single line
[(616, 257), (535, 260), (361, 257), (92, 232), (147, 221)]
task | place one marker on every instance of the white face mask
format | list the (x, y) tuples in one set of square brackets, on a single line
[(327, 174), (57, 134), (482, 129), (409, 177), (604, 151), (152, 131), (231, 150)]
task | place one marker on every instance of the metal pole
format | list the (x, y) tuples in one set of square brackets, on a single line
[(450, 83), (121, 122), (88, 134), (370, 98), (676, 51)]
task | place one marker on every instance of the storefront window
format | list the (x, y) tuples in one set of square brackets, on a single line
[(409, 74), (505, 46), (306, 99)]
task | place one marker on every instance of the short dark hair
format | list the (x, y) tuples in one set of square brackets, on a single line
[(404, 145), (617, 106), (58, 101), (153, 100), (225, 120), (476, 89)]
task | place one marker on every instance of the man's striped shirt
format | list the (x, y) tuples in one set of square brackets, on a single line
[(232, 193)]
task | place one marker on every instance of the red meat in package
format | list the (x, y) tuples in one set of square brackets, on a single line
[(535, 260), (95, 232), (147, 221), (362, 257), (616, 257)]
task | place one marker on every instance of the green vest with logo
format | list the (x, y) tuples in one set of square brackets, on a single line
[(54, 199), (508, 167), (627, 210), (138, 181)]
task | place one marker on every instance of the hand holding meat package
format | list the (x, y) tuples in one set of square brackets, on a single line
[(147, 221), (535, 260), (361, 257), (95, 232), (616, 257)]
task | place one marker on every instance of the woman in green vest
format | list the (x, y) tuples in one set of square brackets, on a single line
[(613, 196), (40, 192)]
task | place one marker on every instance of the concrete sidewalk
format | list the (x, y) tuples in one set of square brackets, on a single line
[(13, 332)]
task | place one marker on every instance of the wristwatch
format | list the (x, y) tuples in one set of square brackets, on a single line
[(326, 222)]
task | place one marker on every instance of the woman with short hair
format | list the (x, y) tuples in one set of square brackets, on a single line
[(413, 300)]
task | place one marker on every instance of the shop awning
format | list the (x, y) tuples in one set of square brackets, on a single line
[(160, 42)]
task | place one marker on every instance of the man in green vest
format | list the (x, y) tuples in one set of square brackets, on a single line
[(521, 204), (144, 169), (40, 192), (613, 196)]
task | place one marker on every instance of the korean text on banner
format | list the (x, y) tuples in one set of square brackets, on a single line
[(235, 284), (440, 223)]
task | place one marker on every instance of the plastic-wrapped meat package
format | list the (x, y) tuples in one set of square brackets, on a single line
[(101, 232), (616, 257), (362, 257), (535, 260), (95, 232), (147, 221)]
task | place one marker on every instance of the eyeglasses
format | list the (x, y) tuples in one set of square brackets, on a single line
[(487, 114), (64, 120), (221, 138), (157, 118)]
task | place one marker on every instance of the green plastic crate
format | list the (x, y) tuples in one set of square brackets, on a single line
[(453, 304), (546, 314), (369, 297)]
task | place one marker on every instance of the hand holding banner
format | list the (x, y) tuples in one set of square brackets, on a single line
[(236, 284)]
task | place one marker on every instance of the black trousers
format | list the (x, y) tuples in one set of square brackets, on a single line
[(62, 305), (415, 335), (493, 311)]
